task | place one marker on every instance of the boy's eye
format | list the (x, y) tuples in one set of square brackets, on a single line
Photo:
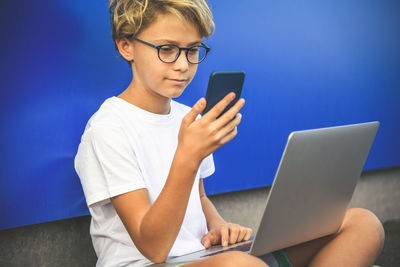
[(168, 49), (194, 50)]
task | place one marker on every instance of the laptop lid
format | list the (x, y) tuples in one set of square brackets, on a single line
[(313, 185)]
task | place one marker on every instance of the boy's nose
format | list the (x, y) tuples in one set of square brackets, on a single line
[(181, 62)]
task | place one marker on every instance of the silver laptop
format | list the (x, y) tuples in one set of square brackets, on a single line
[(312, 189)]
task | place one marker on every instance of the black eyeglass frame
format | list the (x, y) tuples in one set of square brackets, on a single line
[(186, 48)]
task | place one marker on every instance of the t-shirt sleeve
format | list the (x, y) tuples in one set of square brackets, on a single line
[(106, 164), (207, 166)]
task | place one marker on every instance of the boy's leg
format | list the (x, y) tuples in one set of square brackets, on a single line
[(229, 259), (357, 243)]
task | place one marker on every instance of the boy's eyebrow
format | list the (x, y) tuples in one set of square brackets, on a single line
[(175, 42)]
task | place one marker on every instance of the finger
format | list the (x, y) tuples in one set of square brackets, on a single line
[(230, 114), (212, 237), (194, 112), (233, 233), (248, 234), (206, 241), (228, 137), (215, 237), (224, 236), (230, 126), (220, 106), (242, 233)]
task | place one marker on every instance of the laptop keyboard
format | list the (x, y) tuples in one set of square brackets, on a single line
[(245, 247)]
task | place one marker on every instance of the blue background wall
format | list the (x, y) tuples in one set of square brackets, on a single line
[(308, 64)]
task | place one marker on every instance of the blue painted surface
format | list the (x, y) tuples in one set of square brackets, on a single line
[(308, 65)]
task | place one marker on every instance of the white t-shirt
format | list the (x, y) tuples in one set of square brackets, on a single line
[(125, 148)]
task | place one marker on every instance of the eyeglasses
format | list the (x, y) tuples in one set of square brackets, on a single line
[(169, 53)]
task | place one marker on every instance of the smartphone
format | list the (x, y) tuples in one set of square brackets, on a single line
[(222, 83)]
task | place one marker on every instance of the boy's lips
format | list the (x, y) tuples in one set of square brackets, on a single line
[(178, 80)]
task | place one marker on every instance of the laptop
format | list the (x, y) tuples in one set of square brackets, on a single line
[(311, 192)]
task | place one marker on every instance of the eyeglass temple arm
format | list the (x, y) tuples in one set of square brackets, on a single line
[(144, 42)]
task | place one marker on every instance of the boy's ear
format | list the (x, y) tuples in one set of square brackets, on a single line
[(125, 48)]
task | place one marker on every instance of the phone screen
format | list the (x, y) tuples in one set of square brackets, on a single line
[(222, 83)]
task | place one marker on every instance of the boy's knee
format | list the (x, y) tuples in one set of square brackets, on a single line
[(362, 217), (237, 258), (365, 221)]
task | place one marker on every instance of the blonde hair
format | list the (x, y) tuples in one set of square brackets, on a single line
[(130, 17)]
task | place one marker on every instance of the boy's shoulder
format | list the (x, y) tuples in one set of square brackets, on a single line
[(106, 121), (106, 115)]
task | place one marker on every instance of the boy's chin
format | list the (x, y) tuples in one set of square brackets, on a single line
[(176, 93)]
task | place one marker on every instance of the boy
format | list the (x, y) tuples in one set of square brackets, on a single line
[(143, 156)]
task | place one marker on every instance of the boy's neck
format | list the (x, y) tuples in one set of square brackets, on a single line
[(146, 101)]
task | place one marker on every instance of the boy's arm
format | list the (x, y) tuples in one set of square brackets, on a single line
[(213, 218), (154, 227), (219, 231)]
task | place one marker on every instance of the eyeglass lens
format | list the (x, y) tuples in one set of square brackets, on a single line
[(169, 53)]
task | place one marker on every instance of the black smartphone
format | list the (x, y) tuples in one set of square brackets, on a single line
[(222, 83)]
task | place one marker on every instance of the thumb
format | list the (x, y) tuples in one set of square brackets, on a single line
[(195, 111), (206, 241)]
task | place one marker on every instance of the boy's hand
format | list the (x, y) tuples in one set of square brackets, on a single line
[(200, 138), (227, 233)]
